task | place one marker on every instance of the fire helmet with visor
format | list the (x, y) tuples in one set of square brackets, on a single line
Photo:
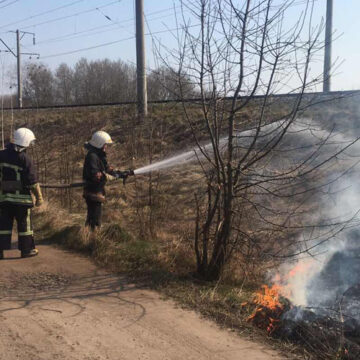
[(23, 137), (99, 139)]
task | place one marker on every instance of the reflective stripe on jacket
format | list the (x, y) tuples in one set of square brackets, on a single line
[(17, 174)]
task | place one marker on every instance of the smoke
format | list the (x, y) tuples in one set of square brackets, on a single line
[(325, 273), (325, 276), (320, 280)]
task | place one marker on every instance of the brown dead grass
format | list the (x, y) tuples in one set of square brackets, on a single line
[(146, 237)]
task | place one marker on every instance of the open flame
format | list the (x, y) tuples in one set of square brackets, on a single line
[(272, 301), (268, 297), (269, 308), (314, 302)]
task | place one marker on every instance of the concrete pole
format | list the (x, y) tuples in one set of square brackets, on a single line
[(18, 56), (328, 44), (140, 59)]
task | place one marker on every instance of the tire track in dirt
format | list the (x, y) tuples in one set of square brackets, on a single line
[(61, 306)]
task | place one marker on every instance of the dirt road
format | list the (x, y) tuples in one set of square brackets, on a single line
[(61, 306)]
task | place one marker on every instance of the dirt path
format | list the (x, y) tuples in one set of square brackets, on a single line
[(61, 306)]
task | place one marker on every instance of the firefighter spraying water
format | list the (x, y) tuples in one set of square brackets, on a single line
[(96, 173)]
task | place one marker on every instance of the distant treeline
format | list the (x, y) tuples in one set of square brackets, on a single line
[(92, 82)]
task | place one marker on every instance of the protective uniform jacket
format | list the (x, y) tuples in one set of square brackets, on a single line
[(17, 174), (95, 163)]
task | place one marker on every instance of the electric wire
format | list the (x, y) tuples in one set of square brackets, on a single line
[(42, 13), (77, 34), (294, 4), (110, 43), (89, 33), (99, 27), (114, 22), (88, 48), (13, 2), (72, 15), (121, 23)]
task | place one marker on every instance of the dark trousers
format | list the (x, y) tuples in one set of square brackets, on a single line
[(93, 218), (22, 215)]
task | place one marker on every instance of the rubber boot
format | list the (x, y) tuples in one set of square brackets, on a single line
[(1, 254), (30, 253)]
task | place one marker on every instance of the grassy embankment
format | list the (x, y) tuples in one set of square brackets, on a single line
[(148, 224)]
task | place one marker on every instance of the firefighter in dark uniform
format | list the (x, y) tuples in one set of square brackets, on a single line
[(17, 181), (96, 173)]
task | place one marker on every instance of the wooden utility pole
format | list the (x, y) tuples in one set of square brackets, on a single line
[(140, 59), (19, 80), (328, 44)]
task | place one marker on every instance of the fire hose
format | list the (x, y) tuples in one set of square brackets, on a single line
[(62, 186), (119, 175)]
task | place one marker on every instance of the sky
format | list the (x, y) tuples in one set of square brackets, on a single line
[(68, 30)]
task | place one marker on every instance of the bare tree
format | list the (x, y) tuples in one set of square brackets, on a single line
[(163, 84), (104, 81), (82, 86), (263, 164), (100, 81), (64, 76), (38, 84)]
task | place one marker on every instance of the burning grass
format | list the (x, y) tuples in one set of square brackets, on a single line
[(270, 306), (326, 335)]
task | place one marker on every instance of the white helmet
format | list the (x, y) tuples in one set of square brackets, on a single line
[(23, 137), (99, 139)]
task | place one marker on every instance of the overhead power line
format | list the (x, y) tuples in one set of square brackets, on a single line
[(42, 13), (89, 32), (73, 35), (13, 2), (111, 43), (88, 48), (72, 15)]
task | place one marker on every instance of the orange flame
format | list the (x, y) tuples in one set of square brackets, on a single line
[(269, 297), (269, 306)]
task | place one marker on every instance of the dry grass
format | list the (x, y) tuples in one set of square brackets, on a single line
[(111, 246), (149, 223)]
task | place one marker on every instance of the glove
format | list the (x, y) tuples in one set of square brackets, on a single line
[(36, 190), (110, 177)]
